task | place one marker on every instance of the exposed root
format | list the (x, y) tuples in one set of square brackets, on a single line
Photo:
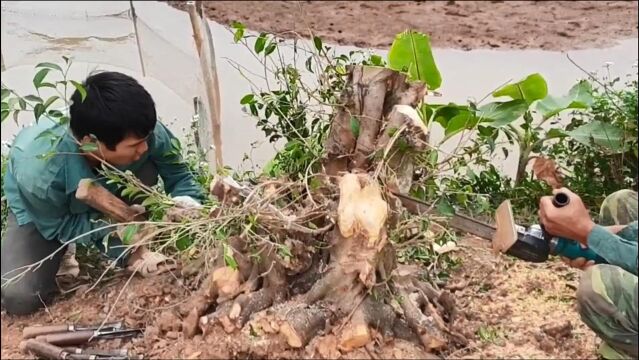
[(303, 322), (220, 316), (426, 327), (356, 334)]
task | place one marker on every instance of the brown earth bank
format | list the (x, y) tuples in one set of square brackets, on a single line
[(550, 25), (507, 309)]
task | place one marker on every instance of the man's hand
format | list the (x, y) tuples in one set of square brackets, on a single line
[(571, 221), (578, 263), (187, 202), (186, 208)]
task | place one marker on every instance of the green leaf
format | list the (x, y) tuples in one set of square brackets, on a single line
[(601, 134), (308, 63), (498, 114), (443, 114), (555, 133), (183, 242), (270, 48), (46, 156), (247, 99), (15, 116), (377, 60), (318, 43), (579, 97), (47, 84), (128, 233), (23, 104), (411, 52), (426, 112), (355, 127), (228, 257), (49, 66), (50, 101), (432, 158), (445, 208), (89, 147), (55, 113), (260, 43), (33, 98), (39, 77), (149, 201), (463, 121), (532, 88), (239, 31), (80, 88), (5, 114), (38, 110), (5, 93), (46, 134), (126, 192)]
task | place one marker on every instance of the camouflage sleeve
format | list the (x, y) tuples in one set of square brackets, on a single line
[(620, 250)]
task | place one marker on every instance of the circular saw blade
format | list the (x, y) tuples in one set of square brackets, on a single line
[(506, 229)]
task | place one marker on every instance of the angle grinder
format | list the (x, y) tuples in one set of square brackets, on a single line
[(534, 243)]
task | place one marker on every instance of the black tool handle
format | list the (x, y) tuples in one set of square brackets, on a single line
[(560, 200)]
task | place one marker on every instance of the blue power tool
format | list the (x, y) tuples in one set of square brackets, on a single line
[(534, 243)]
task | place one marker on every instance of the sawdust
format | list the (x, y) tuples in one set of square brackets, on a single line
[(508, 304)]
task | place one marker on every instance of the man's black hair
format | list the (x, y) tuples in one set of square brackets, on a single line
[(115, 106)]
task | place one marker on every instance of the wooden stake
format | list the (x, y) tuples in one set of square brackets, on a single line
[(210, 83), (213, 63), (137, 36)]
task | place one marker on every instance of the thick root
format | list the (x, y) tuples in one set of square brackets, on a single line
[(223, 283), (246, 305), (220, 316), (303, 323), (428, 329), (356, 334)]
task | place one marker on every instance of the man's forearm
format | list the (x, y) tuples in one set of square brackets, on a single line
[(618, 249)]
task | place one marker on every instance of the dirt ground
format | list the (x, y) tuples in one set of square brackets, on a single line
[(551, 25), (503, 306)]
